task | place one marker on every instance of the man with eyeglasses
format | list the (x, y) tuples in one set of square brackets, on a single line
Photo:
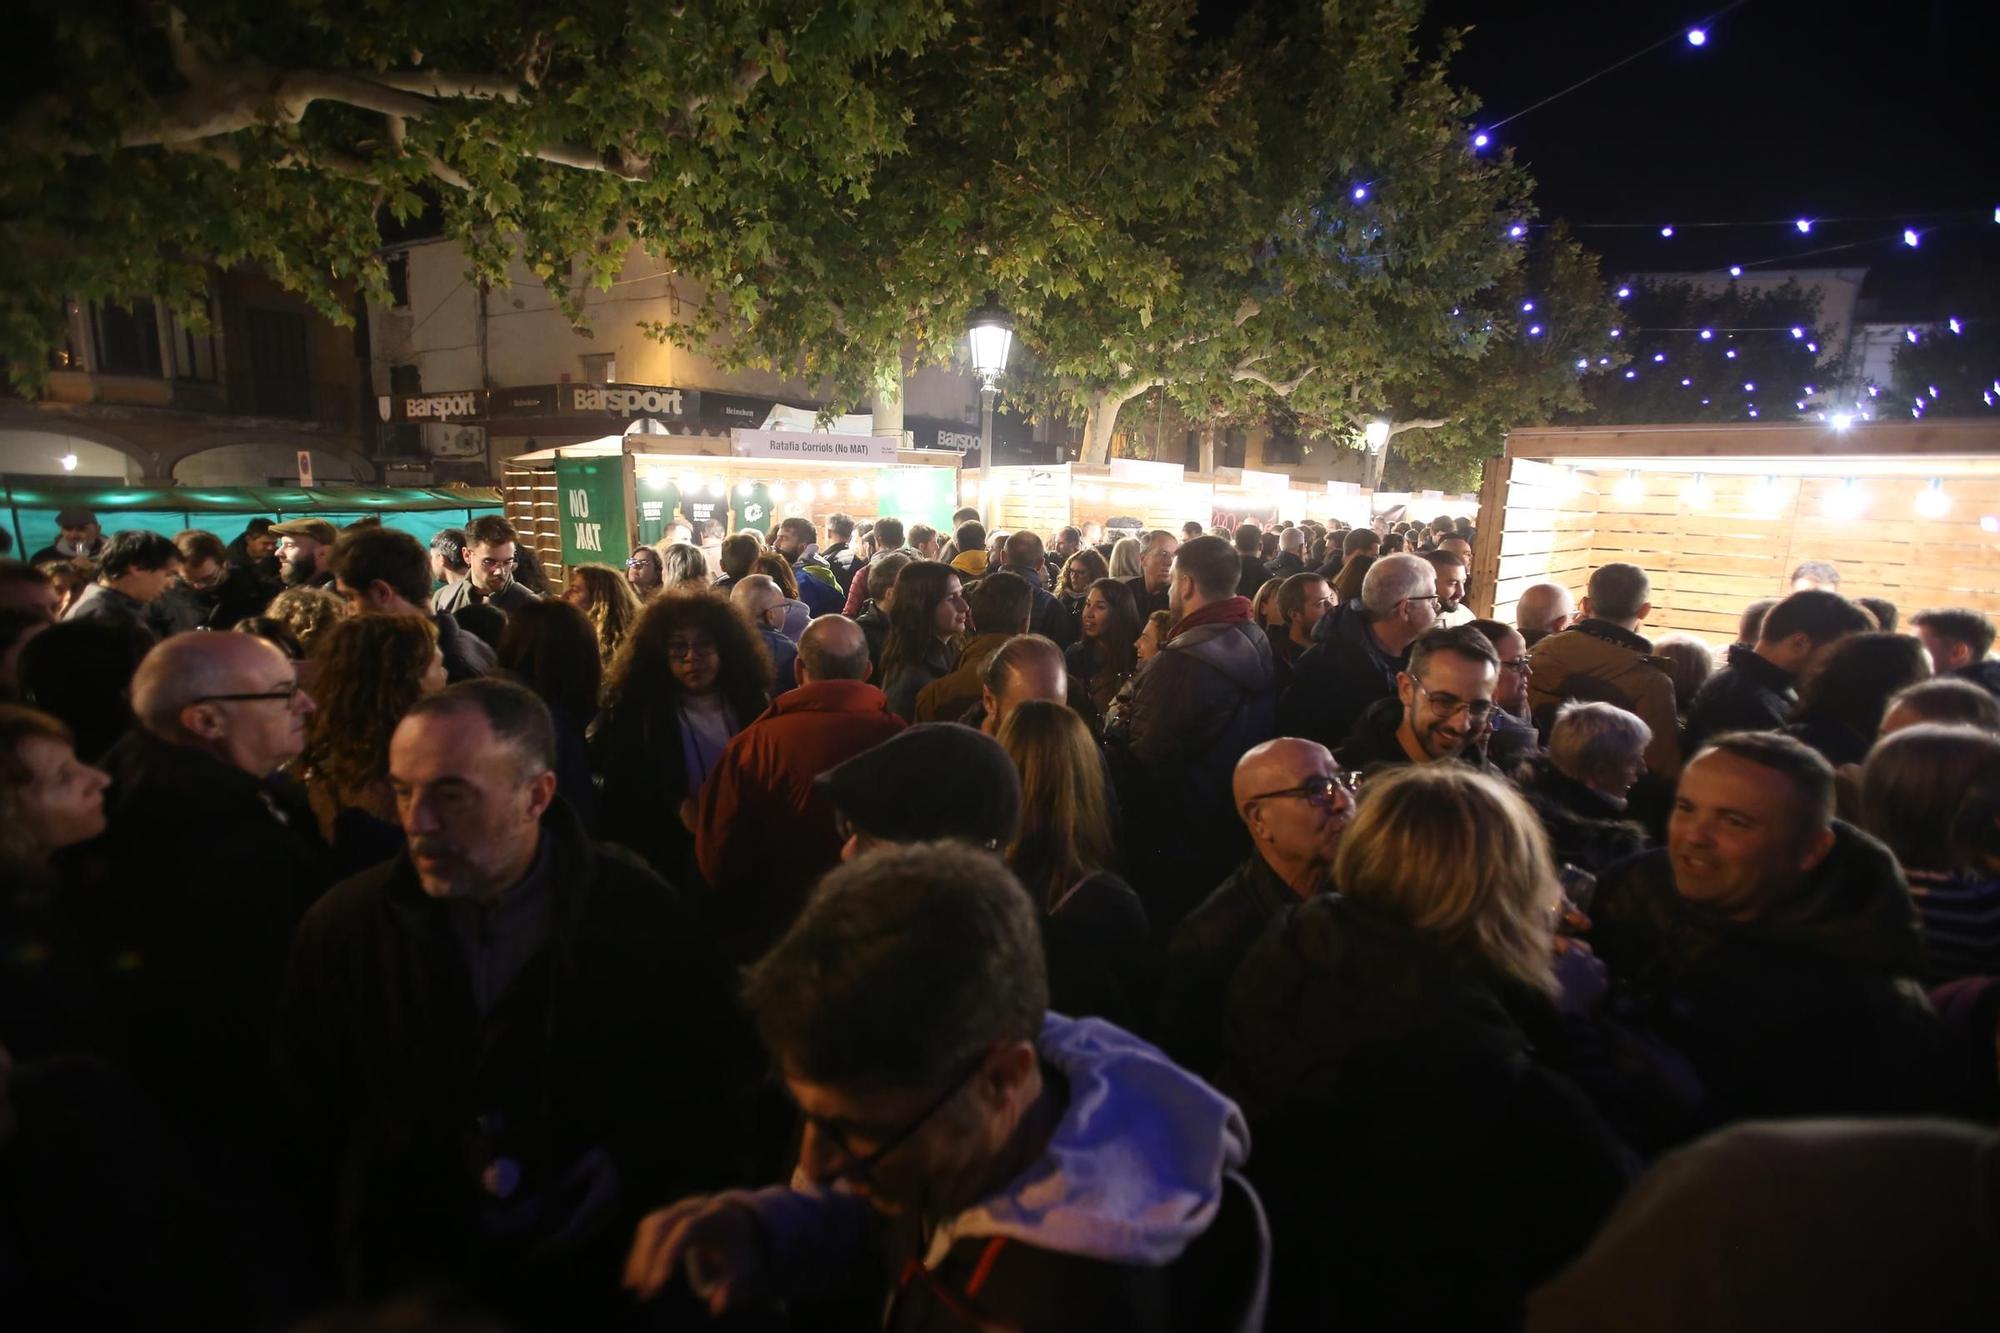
[(764, 601), (489, 558), (211, 860), (1514, 739), (971, 1134), (1358, 651), (1442, 709), (1296, 802), (209, 592)]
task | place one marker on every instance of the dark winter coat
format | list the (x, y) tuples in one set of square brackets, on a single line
[(1422, 1167), (466, 655), (1335, 680), (182, 608), (1601, 662), (1255, 576), (1197, 706), (875, 628), (1374, 746), (1810, 1010), (1986, 674), (1148, 602), (1749, 694), (209, 869), (1586, 828), (617, 1034), (1202, 959), (1099, 949), (641, 769)]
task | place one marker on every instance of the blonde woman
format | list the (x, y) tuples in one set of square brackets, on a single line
[(1094, 929), (608, 599), (1379, 1041), (685, 564), (1125, 554)]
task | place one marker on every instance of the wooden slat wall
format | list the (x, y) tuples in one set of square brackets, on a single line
[(1537, 527), (1708, 561), (530, 500)]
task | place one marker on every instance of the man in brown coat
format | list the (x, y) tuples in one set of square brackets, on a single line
[(1602, 658)]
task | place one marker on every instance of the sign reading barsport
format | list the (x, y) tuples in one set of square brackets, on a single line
[(620, 401), (460, 406)]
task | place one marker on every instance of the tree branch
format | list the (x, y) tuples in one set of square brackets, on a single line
[(429, 83), (1422, 423), (1284, 389)]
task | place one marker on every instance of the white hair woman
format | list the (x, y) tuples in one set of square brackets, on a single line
[(1596, 752)]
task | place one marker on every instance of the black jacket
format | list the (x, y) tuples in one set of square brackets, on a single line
[(1196, 707), (1749, 694), (1586, 828), (466, 656), (1255, 576), (1203, 957), (636, 757), (875, 628), (1986, 673), (1148, 602), (1285, 564), (1809, 1011), (1422, 1167), (618, 1033), (1049, 617), (1099, 951), (1373, 746), (1335, 680), (209, 870), (182, 608)]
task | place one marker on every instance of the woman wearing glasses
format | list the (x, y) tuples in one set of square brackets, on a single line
[(1422, 1164), (690, 676), (369, 670)]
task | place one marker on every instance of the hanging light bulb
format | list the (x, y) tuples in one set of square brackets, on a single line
[(1730, 354), (1798, 332), (1804, 225), (1630, 490), (1527, 307), (689, 483), (1480, 140), (1666, 231), (1911, 238), (1736, 270), (1707, 334), (1765, 498), (1624, 292), (1954, 324), (779, 492), (1697, 494), (716, 485), (1932, 502), (1697, 37), (807, 491)]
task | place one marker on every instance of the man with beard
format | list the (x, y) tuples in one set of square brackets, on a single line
[(1450, 567), (489, 557), (303, 544), (1296, 802), (1442, 708)]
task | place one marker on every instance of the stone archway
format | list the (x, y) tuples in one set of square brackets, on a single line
[(342, 447), (34, 443)]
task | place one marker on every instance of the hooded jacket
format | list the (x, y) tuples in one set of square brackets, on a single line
[(1197, 706), (1749, 694), (1811, 1009), (1087, 1238), (1422, 1166), (1586, 828), (1599, 662), (1335, 680)]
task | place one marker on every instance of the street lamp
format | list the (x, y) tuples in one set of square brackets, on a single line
[(1376, 436), (991, 333)]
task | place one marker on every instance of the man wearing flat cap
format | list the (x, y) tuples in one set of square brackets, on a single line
[(303, 547), (78, 537)]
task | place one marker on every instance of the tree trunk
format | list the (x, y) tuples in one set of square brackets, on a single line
[(1376, 462), (887, 404), (1098, 424), (1207, 466)]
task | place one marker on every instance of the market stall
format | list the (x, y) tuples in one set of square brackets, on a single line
[(1719, 516), (224, 510), (593, 502), (1129, 495)]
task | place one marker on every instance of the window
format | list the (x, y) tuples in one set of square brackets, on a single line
[(1229, 449), (600, 367), (128, 338), (193, 353), (280, 367), (399, 281)]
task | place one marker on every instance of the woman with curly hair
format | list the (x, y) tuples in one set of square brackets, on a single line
[(370, 670), (691, 675), (926, 629), (606, 597), (1079, 572)]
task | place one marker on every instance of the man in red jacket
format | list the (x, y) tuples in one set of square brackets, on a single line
[(764, 834)]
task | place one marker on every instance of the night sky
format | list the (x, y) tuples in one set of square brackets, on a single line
[(1791, 109)]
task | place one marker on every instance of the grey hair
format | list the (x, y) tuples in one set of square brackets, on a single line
[(1591, 741), (1394, 579), (1125, 559), (683, 563)]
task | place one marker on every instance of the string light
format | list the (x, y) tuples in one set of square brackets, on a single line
[(1687, 384), (1517, 231), (1753, 411), (1696, 494), (1603, 360), (1736, 270), (1931, 501), (1631, 374), (1910, 334), (1797, 332), (1749, 387), (1624, 292), (1617, 333), (1707, 334), (1360, 193), (1911, 238), (1630, 490), (1812, 347), (1534, 330), (1934, 392), (1730, 354), (1667, 232), (1481, 139), (1697, 37), (1804, 225), (1583, 363), (1527, 307), (1953, 322)]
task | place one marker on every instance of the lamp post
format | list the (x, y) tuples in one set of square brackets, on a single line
[(1376, 436), (991, 333)]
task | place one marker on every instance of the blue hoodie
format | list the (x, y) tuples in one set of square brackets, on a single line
[(1131, 1175)]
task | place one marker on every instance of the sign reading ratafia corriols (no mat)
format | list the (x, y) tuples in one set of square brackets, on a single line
[(814, 446)]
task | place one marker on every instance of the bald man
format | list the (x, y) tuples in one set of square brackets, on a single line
[(1027, 666), (1295, 801), (764, 833), (212, 860), (761, 599), (1544, 609)]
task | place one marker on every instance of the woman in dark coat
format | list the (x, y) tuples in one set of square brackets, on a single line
[(1422, 1166), (692, 674), (926, 630), (1106, 652), (553, 648)]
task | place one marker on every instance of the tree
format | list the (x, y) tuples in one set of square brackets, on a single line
[(1753, 368), (1946, 373), (233, 132)]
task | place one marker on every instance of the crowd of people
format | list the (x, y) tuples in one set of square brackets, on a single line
[(935, 929)]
